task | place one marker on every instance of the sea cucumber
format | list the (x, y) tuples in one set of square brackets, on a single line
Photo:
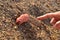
[(29, 18)]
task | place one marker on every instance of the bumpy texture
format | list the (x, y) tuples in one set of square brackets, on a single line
[(11, 9)]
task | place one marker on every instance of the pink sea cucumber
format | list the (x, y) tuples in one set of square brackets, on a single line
[(30, 19)]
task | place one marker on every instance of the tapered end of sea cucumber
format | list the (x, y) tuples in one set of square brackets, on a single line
[(22, 18)]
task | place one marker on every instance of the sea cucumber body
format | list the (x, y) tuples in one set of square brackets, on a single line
[(30, 19)]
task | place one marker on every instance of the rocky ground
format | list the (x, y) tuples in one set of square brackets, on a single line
[(11, 9)]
